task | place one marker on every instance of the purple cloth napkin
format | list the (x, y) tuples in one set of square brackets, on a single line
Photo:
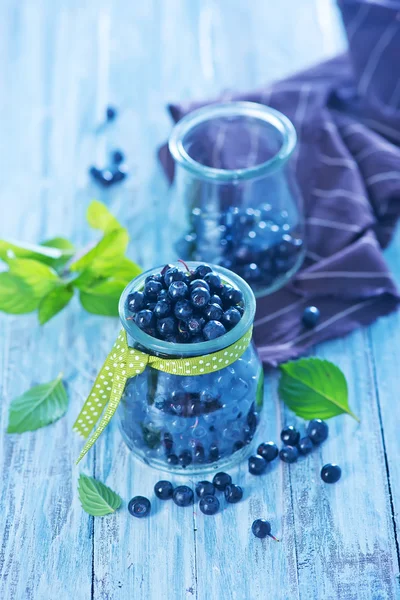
[(347, 116)]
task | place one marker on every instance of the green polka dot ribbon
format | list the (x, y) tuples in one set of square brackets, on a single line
[(124, 362)]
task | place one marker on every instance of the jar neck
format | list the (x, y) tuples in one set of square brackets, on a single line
[(162, 348)]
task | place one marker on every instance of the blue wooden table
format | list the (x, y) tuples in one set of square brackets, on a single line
[(61, 64)]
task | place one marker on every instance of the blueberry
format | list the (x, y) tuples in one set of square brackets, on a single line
[(214, 282), (172, 274), (139, 506), (166, 326), (152, 289), (213, 330), (119, 174), (199, 283), (173, 339), (268, 450), (233, 493), (135, 301), (172, 459), (178, 290), (238, 446), (305, 445), (231, 317), (234, 296), (197, 338), (163, 295), (199, 454), (311, 316), (96, 174), (194, 325), (168, 441), (205, 488), (185, 458), (200, 297), (117, 157), (262, 528), (257, 465), (331, 473), (111, 113), (214, 453), (144, 319), (154, 277), (151, 306), (221, 480), (213, 312), (183, 309), (289, 454), (215, 299), (163, 490), (209, 504), (162, 308), (183, 495), (290, 436), (201, 271), (317, 431)]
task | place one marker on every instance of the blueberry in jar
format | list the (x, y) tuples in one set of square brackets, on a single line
[(231, 317), (139, 507), (200, 297), (163, 490), (183, 495), (173, 274), (178, 290), (183, 309), (213, 312), (268, 450), (290, 436), (201, 271), (213, 330), (185, 458), (162, 308), (317, 431), (199, 283), (221, 480), (166, 326), (209, 504), (135, 301), (144, 319)]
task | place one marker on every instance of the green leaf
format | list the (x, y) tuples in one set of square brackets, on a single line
[(10, 250), (99, 217), (39, 406), (16, 296), (54, 302), (96, 498), (314, 388), (39, 277), (260, 390), (65, 248), (126, 270), (103, 298), (101, 259)]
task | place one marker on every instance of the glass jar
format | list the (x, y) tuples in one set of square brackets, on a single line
[(235, 200), (199, 422)]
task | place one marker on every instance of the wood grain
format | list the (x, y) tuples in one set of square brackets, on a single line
[(61, 64)]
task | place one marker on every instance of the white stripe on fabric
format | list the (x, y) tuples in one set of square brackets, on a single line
[(341, 193), (359, 17), (333, 224), (337, 161), (300, 114), (383, 129), (352, 129), (379, 147), (395, 98), (278, 313), (375, 56), (344, 274), (313, 255), (383, 177)]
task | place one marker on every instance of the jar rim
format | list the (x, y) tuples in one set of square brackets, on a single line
[(229, 109), (199, 348)]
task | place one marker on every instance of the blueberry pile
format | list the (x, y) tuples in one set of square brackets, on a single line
[(259, 245), (185, 306), (113, 173), (294, 445)]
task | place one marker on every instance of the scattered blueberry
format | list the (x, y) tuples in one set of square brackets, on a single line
[(317, 431), (257, 465), (262, 528), (183, 495), (139, 506), (268, 450), (209, 504), (305, 445), (311, 316), (331, 473), (163, 490), (221, 480), (290, 436), (205, 488), (111, 113), (289, 454), (233, 493), (117, 157)]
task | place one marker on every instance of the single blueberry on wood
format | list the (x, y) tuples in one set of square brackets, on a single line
[(331, 473), (305, 445), (317, 431), (268, 450), (233, 493), (183, 495), (163, 490), (221, 480), (209, 504), (290, 436), (289, 454), (262, 528), (311, 316), (139, 506), (257, 465), (205, 488)]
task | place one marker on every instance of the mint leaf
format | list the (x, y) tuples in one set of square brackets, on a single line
[(101, 259), (96, 498), (314, 389), (40, 278), (126, 270), (10, 250), (99, 217), (66, 251), (39, 406), (16, 296), (54, 302), (103, 298)]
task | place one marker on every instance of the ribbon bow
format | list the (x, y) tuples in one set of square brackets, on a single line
[(125, 362)]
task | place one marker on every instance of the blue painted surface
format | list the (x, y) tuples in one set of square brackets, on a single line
[(61, 64)]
